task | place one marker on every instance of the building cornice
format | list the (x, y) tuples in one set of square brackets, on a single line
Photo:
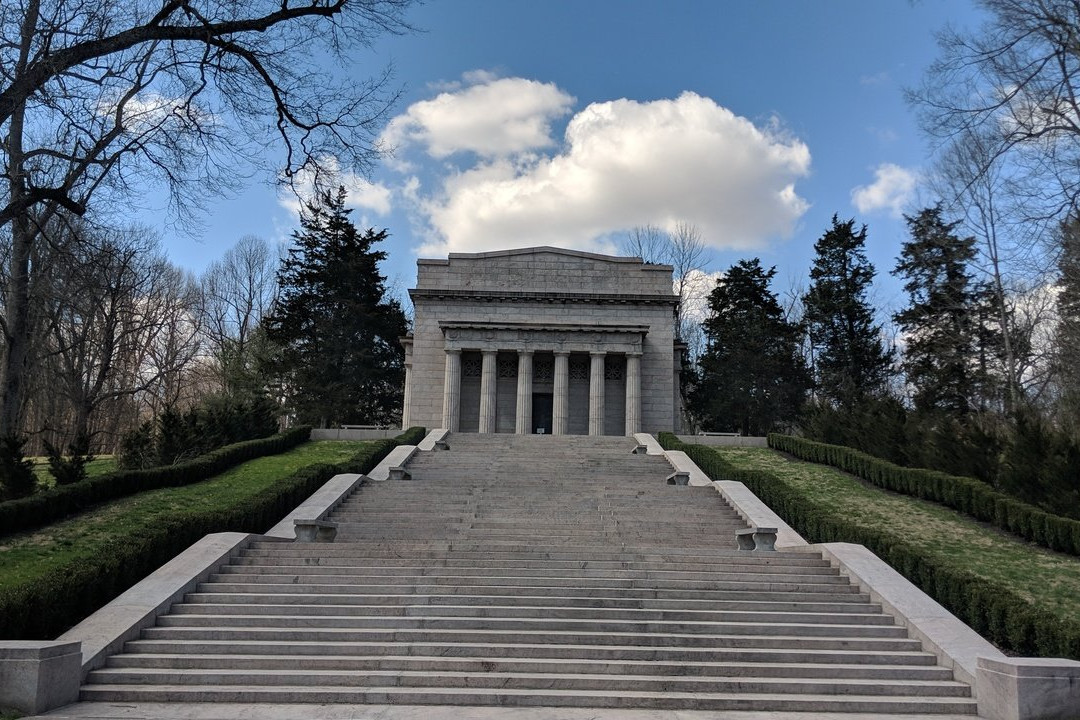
[(564, 298)]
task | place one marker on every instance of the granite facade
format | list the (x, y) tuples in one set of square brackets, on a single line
[(542, 301)]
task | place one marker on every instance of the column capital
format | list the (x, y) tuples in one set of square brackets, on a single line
[(526, 352), (492, 351), (452, 351), (598, 353), (636, 353), (561, 353)]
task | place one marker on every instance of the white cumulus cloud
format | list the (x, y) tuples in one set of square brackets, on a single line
[(360, 194), (621, 164), (893, 188), (492, 118)]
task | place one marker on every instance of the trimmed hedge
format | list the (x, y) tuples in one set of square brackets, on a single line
[(40, 509), (993, 610), (966, 495), (45, 607)]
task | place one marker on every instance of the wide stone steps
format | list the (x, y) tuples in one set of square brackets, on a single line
[(356, 663), (774, 651), (524, 611), (404, 604), (743, 700), (524, 571), (523, 680)]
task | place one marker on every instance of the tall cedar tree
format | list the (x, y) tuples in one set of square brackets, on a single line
[(850, 361), (340, 360), (752, 376), (941, 323), (1068, 329)]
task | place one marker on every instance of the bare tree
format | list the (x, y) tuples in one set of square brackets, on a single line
[(685, 250), (102, 97), (976, 188), (647, 242), (237, 291), (1015, 84)]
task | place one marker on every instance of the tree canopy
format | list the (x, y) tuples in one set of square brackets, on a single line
[(751, 374), (339, 359), (850, 360)]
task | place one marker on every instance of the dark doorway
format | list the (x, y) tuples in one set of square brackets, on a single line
[(541, 419)]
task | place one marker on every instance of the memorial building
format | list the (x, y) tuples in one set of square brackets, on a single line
[(542, 340)]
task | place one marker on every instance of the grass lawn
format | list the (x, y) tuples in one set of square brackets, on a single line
[(29, 555), (100, 465), (1048, 579)]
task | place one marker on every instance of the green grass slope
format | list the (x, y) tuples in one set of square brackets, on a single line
[(1023, 597), (52, 577)]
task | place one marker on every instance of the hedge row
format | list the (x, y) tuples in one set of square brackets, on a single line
[(45, 607), (964, 494), (40, 509), (994, 611)]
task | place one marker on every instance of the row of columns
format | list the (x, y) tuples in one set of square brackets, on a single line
[(560, 414)]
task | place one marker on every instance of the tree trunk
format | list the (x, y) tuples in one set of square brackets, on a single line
[(17, 321)]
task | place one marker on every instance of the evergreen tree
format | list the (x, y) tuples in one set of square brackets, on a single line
[(339, 358), (752, 376), (850, 360), (942, 321)]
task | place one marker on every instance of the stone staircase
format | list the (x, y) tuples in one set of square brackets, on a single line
[(532, 571)]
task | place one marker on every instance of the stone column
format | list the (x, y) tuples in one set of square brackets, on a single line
[(633, 393), (560, 404), (451, 409), (523, 426), (596, 393), (406, 400), (488, 381)]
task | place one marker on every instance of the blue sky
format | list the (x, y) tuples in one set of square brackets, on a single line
[(568, 123)]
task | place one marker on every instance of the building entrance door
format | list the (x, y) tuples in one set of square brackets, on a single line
[(542, 407)]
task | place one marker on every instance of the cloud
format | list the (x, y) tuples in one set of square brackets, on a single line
[(622, 164), (893, 188), (491, 117), (879, 78), (360, 194)]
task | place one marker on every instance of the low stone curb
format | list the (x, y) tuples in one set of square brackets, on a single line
[(397, 458), (318, 505)]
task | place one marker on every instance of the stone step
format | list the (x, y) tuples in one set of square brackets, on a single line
[(847, 604), (527, 681), (475, 553), (816, 637), (808, 626), (211, 610), (368, 552), (527, 698), (721, 572), (743, 561), (773, 592), (438, 663), (751, 651), (765, 577)]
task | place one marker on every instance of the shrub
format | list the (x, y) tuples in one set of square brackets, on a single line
[(217, 421), (992, 609), (71, 469), (47, 606), (17, 477), (967, 495)]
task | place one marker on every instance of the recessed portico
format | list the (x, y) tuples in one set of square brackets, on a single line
[(552, 378)]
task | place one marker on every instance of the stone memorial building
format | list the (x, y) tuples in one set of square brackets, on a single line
[(542, 340)]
